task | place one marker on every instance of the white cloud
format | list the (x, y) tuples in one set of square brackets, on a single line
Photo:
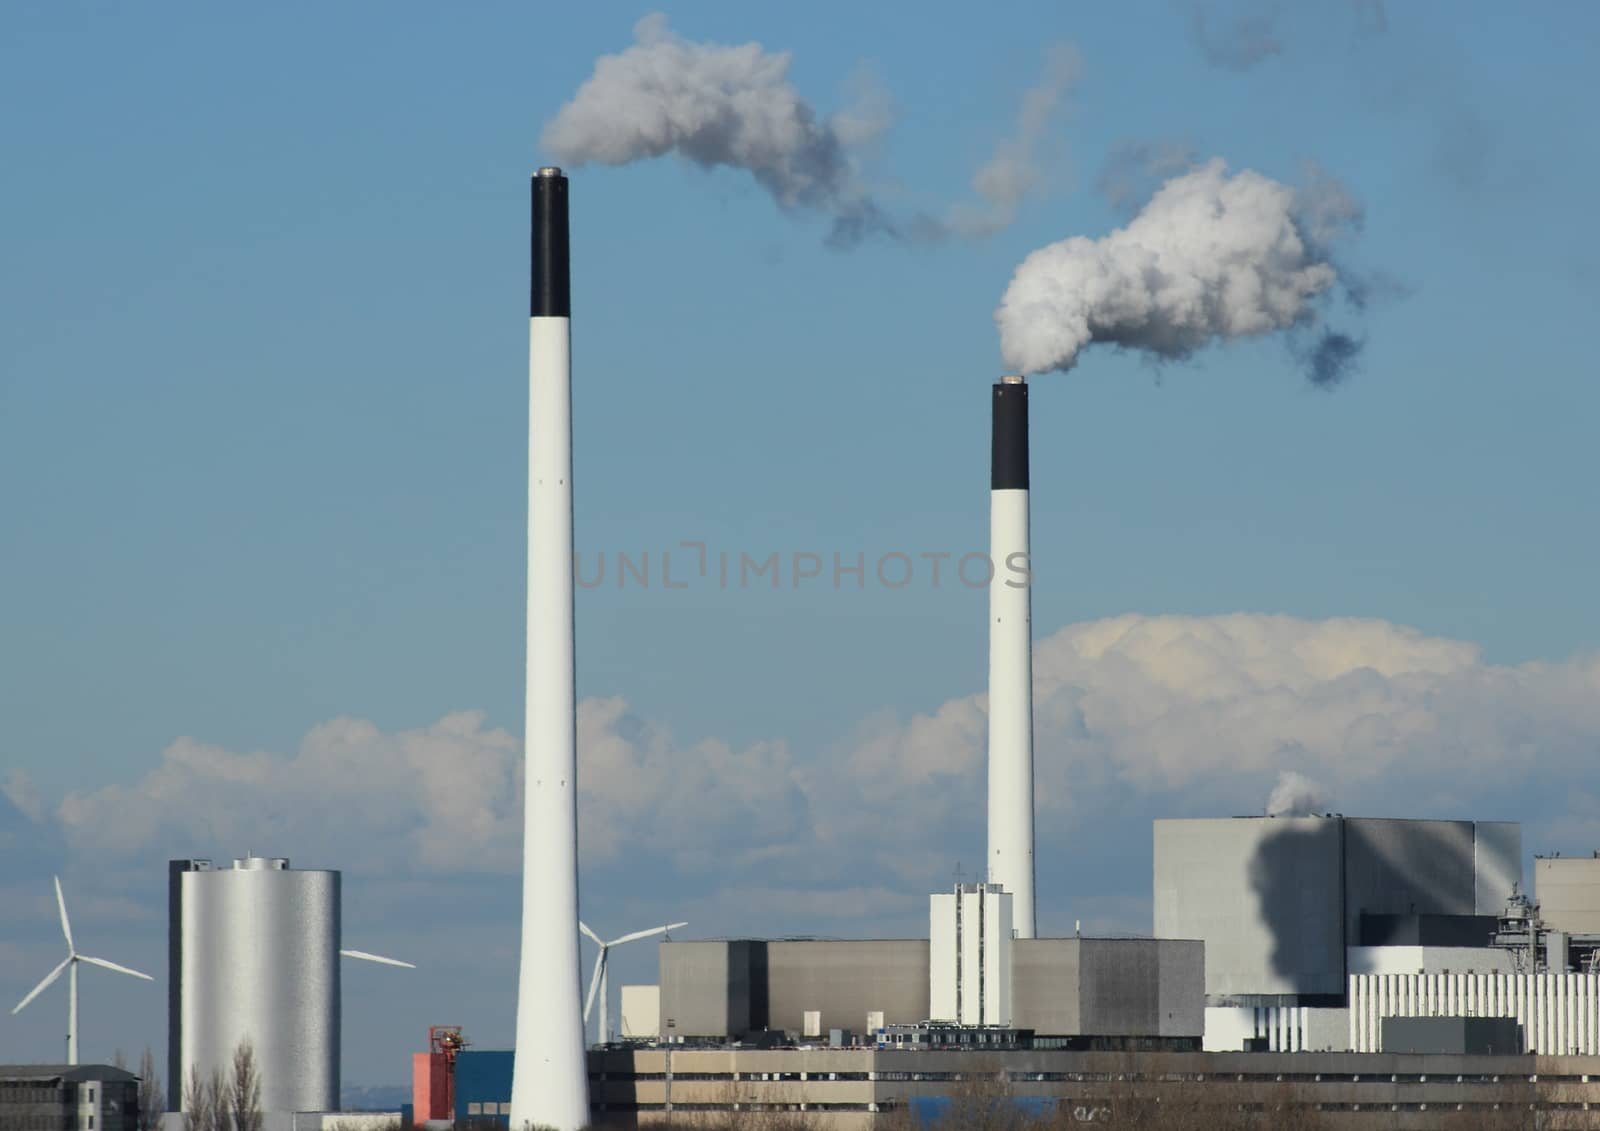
[(1185, 713)]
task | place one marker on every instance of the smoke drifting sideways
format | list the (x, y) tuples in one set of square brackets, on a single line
[(1214, 256), (733, 105)]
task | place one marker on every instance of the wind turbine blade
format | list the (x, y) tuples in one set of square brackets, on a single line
[(646, 934), (584, 927), (594, 983), (44, 985), (365, 957), (113, 966), (66, 927)]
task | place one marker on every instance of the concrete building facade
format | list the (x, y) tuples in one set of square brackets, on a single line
[(1567, 890), (1100, 988), (726, 989), (1109, 988), (1278, 900), (1559, 1013), (853, 1089), (68, 1097)]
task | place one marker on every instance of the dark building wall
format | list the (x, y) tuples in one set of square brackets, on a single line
[(1109, 987), (1394, 867), (1118, 987), (1458, 1036), (1427, 930)]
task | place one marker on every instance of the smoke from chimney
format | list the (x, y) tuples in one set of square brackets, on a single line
[(733, 105), (1296, 795), (1014, 171), (1212, 257)]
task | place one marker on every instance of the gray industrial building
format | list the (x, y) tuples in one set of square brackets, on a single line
[(1108, 990), (1567, 889), (1278, 900), (68, 1097), (852, 1089), (726, 989)]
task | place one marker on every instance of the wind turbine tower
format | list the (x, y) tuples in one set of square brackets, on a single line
[(70, 964), (601, 979)]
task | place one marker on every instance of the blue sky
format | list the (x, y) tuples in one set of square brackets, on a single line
[(261, 422)]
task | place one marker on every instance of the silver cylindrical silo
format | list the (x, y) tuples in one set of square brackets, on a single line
[(260, 961)]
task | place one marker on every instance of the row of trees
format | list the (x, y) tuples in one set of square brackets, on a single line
[(224, 1101)]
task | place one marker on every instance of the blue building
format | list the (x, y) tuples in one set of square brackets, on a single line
[(483, 1087)]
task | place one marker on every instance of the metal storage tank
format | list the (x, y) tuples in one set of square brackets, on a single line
[(258, 952)]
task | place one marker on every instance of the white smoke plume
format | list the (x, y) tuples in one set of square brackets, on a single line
[(734, 105), (1296, 795), (717, 104), (1212, 257)]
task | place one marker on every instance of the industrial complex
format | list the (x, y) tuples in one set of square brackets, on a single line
[(1383, 972)]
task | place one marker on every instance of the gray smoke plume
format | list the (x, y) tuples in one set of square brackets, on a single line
[(1240, 34), (1133, 169), (1236, 39), (726, 105), (1296, 795), (1212, 257), (1014, 170)]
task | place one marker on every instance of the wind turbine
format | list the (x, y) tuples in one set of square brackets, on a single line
[(599, 980), (70, 965)]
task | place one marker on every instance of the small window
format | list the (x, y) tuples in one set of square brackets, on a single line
[(474, 1109)]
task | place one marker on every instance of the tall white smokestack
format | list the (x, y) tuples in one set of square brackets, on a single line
[(550, 1081), (1011, 657)]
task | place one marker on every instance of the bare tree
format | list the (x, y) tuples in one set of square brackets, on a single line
[(219, 1102), (196, 1102), (244, 1091), (152, 1100)]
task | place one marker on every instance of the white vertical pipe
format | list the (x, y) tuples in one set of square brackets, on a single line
[(605, 996), (1011, 658), (72, 1010), (550, 1080)]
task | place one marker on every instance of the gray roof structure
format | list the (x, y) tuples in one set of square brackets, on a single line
[(72, 1072)]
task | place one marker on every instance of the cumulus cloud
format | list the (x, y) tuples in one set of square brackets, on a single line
[(1136, 716), (1214, 256), (734, 106)]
